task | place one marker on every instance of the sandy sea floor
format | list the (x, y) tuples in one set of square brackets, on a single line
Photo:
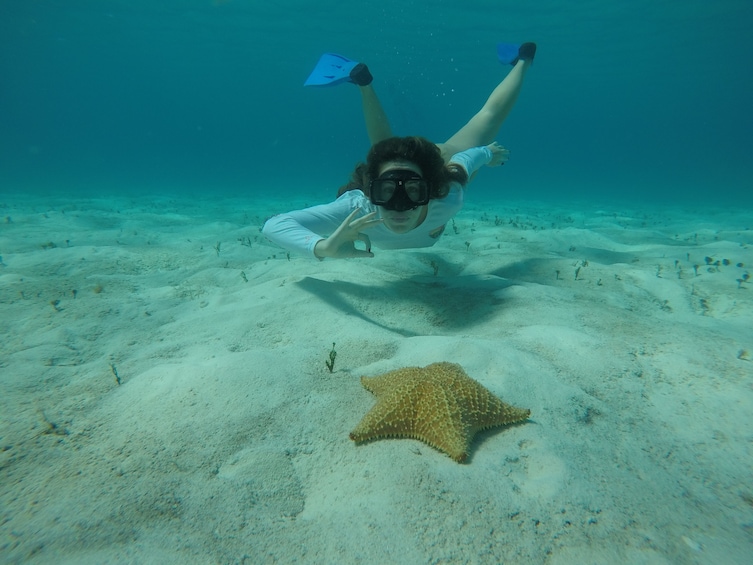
[(165, 397)]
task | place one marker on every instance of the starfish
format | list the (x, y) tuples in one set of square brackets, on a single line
[(438, 404)]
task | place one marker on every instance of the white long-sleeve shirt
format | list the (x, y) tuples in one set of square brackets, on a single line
[(301, 230)]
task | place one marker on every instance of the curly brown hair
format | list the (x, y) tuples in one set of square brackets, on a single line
[(415, 149)]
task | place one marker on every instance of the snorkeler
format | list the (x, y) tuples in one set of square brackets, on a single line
[(408, 188)]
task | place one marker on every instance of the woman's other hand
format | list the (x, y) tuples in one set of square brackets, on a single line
[(341, 244), (500, 155)]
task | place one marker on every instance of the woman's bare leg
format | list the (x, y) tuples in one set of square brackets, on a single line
[(484, 126), (377, 123)]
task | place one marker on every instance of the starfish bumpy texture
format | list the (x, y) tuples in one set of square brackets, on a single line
[(438, 404)]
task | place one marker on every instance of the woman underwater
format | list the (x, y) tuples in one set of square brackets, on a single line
[(408, 188)]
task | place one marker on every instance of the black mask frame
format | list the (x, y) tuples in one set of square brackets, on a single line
[(399, 190)]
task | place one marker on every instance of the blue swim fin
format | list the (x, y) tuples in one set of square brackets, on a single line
[(511, 53), (507, 53), (331, 69)]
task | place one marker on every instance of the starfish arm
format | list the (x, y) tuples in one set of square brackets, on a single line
[(385, 419), (453, 438), (493, 412)]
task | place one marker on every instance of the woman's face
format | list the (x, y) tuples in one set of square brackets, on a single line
[(403, 221)]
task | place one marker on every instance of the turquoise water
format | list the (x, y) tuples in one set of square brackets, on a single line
[(627, 100)]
